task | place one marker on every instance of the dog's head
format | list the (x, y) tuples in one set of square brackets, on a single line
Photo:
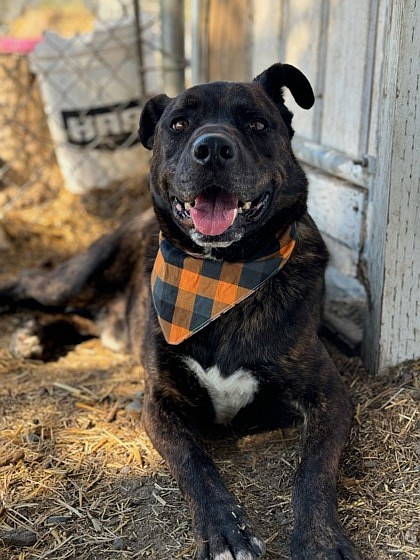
[(223, 174)]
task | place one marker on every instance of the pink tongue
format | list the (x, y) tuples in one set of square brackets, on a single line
[(213, 216)]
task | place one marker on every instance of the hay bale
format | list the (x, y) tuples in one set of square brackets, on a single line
[(26, 148)]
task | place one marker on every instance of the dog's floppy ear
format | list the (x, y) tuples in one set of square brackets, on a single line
[(285, 75), (149, 118)]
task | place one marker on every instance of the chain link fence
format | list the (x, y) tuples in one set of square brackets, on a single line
[(73, 76)]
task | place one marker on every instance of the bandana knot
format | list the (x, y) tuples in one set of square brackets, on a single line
[(190, 292)]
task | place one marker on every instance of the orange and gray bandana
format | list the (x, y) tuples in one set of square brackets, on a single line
[(189, 292)]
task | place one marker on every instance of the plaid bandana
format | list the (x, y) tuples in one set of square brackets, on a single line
[(189, 292)]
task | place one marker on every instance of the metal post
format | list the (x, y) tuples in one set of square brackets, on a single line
[(137, 16), (172, 40), (199, 41)]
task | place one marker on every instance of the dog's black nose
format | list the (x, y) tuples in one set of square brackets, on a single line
[(213, 148)]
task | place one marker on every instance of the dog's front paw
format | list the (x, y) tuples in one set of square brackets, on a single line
[(227, 535), (26, 341), (326, 543)]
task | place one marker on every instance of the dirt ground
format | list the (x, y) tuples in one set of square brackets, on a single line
[(79, 478)]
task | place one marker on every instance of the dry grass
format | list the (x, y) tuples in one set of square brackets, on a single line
[(79, 478)]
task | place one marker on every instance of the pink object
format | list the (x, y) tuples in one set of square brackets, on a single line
[(18, 46), (213, 216)]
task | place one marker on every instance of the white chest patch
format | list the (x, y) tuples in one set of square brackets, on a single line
[(228, 394)]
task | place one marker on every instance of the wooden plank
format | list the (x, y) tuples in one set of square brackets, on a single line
[(229, 40), (265, 34), (342, 258), (332, 161), (302, 29), (337, 208), (372, 146), (392, 249), (345, 334), (341, 287), (345, 98)]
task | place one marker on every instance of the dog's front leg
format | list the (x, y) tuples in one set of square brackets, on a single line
[(222, 530), (318, 534)]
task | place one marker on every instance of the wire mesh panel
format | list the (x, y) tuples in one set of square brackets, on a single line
[(73, 78)]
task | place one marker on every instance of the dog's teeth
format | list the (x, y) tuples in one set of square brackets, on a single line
[(246, 206), (187, 206)]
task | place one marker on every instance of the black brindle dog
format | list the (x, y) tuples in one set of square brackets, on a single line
[(221, 299)]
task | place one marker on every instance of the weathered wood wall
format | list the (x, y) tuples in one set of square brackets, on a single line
[(309, 34), (392, 245), (357, 143)]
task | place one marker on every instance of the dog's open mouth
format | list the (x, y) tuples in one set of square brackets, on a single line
[(212, 213)]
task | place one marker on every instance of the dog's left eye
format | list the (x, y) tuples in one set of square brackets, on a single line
[(180, 125), (257, 126)]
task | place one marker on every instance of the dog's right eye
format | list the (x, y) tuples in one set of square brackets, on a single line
[(257, 126), (180, 125)]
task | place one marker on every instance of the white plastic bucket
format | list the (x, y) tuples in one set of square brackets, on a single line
[(91, 91)]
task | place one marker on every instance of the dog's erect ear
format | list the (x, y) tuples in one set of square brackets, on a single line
[(285, 75), (149, 118)]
